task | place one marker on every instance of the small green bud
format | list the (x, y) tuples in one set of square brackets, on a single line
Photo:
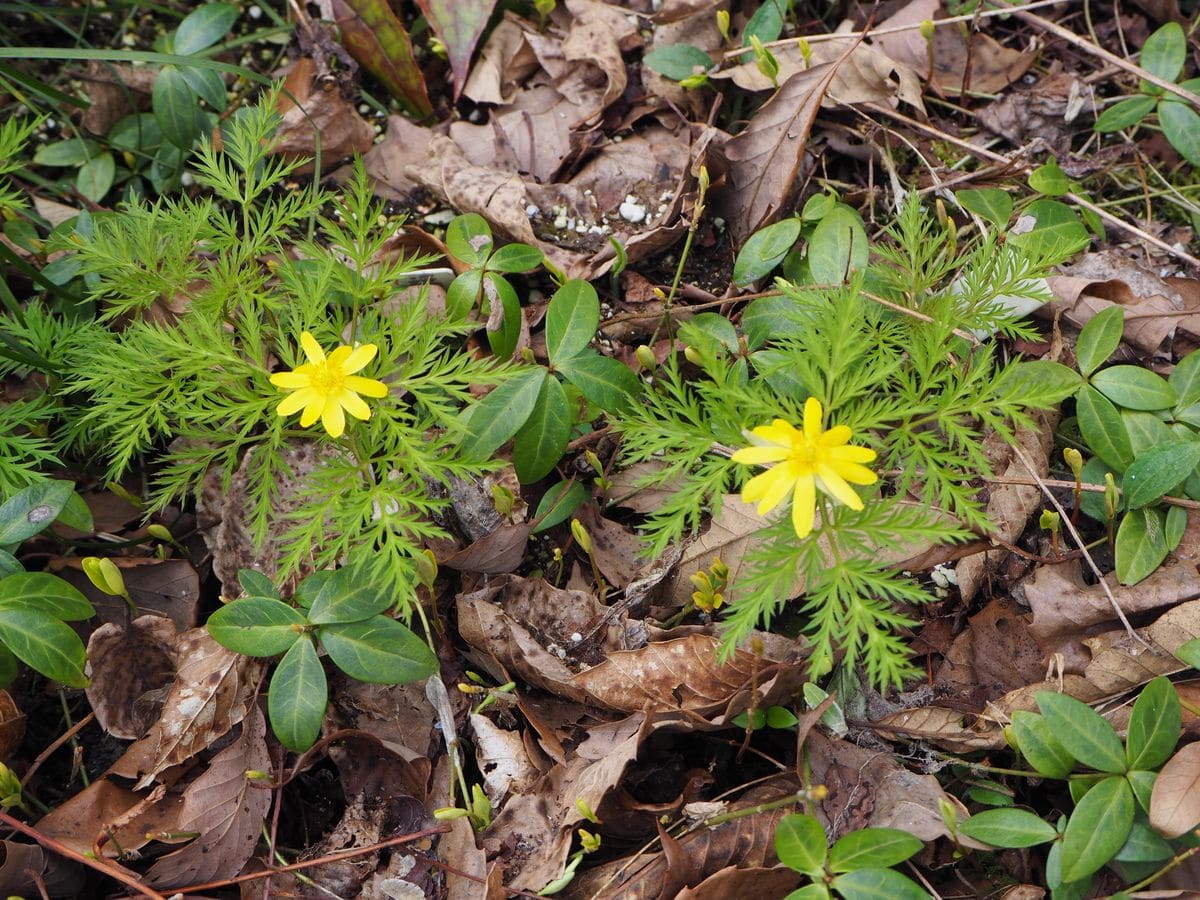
[(590, 842), (586, 811), (427, 567), (1050, 521), (723, 25), (645, 358), (594, 461), (691, 82), (805, 52), (503, 499), (927, 30), (160, 533), (692, 356), (1112, 496), (104, 575), (10, 788), (1074, 460), (582, 538), (447, 813), (703, 180), (765, 59)]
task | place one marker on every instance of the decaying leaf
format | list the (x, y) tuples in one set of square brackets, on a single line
[(128, 668), (1175, 800)]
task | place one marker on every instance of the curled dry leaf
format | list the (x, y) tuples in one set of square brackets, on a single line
[(27, 868), (502, 759), (307, 113), (128, 668), (224, 807), (942, 727), (1175, 800), (209, 696)]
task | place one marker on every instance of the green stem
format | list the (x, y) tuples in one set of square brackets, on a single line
[(1171, 864)]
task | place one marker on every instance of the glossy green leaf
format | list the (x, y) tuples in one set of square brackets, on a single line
[(469, 239), (678, 61), (1097, 828), (371, 32), (1144, 844), (503, 331), (32, 509), (378, 650), (1185, 379), (494, 419), (764, 250), (1142, 783), (207, 85), (1141, 544), (9, 564), (878, 884), (837, 246), (1175, 526), (95, 177), (1039, 746), (1189, 652), (800, 843), (810, 892), (256, 584), (559, 503), (1099, 338), (76, 514), (1057, 232), (1075, 890), (606, 382), (1146, 431), (993, 205), (46, 593), (1050, 179), (515, 258), (297, 697), (1158, 470), (175, 108), (1154, 725), (347, 596), (256, 626), (872, 848), (1125, 113), (1134, 387), (205, 26), (1102, 429), (770, 317), (1082, 732), (542, 440), (10, 667), (781, 717), (571, 320), (711, 332), (1181, 125), (767, 22), (1165, 52), (1048, 378), (71, 152), (44, 643), (464, 293), (1012, 828)]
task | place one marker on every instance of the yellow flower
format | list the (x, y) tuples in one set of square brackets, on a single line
[(806, 460), (326, 385)]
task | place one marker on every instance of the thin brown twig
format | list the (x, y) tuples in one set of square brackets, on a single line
[(58, 742), (1182, 502), (111, 869)]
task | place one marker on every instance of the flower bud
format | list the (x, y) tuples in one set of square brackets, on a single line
[(104, 575), (645, 357), (582, 538), (1074, 460)]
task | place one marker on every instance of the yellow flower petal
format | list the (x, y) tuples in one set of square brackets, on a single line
[(835, 436), (312, 349), (852, 454), (362, 355), (368, 386), (355, 405), (295, 402), (854, 473), (768, 489), (333, 418), (834, 485), (812, 419), (804, 506), (291, 380), (779, 432), (312, 410), (753, 456)]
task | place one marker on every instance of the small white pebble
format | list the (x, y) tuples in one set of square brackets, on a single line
[(560, 221), (255, 12), (186, 179), (532, 211), (576, 638), (632, 211), (443, 217), (363, 109), (475, 116)]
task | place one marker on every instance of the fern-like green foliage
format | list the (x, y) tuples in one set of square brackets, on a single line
[(201, 300), (919, 389)]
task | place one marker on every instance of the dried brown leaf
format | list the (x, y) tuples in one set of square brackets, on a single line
[(1175, 800), (225, 808), (129, 667)]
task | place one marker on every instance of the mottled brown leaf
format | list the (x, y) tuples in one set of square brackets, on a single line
[(458, 23), (1175, 800), (125, 665)]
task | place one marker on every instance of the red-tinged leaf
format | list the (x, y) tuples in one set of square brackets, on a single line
[(378, 41), (459, 24)]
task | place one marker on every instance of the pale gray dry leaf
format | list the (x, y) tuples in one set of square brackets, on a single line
[(595, 38), (1175, 800), (209, 696), (225, 808), (467, 863), (124, 665), (27, 868), (765, 159), (502, 759), (941, 727), (505, 61)]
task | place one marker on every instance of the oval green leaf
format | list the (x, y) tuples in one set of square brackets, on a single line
[(71, 152), (1158, 470), (1083, 732), (256, 584), (1037, 743), (571, 320), (678, 61), (1134, 387), (1099, 339), (46, 593), (463, 293), (469, 239), (1165, 52), (1185, 379), (800, 843), (1125, 113), (507, 331), (297, 697), (44, 643), (1144, 844), (207, 85), (837, 246), (204, 27), (1154, 725), (878, 884), (175, 108), (1141, 544), (256, 626), (1181, 124), (1146, 431), (95, 177), (1102, 429), (347, 597), (542, 440), (1013, 828), (1097, 829), (993, 205), (515, 258), (606, 382), (872, 848), (496, 418), (558, 504), (1050, 179), (378, 650), (764, 250), (32, 509)]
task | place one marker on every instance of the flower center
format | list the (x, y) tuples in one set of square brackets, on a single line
[(328, 379)]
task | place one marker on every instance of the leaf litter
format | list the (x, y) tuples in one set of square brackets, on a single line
[(610, 713)]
